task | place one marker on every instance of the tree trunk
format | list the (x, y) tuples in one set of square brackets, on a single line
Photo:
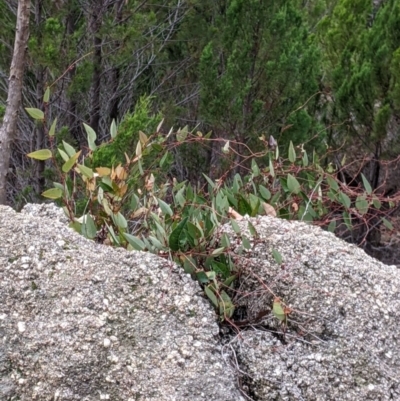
[(115, 72), (39, 129), (94, 27), (8, 128)]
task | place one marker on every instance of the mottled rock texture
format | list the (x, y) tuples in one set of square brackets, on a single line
[(340, 338), (82, 321)]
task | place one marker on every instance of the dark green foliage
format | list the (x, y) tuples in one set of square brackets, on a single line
[(258, 68), (361, 43), (128, 133)]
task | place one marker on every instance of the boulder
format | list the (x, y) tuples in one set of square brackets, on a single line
[(83, 321), (322, 324)]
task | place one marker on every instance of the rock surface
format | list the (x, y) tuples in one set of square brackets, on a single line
[(340, 333), (82, 321)]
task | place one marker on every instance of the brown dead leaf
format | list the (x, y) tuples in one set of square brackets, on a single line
[(269, 210)]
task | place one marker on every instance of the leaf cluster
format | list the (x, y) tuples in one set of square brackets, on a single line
[(127, 205)]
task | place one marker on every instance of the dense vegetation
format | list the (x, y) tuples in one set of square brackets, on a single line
[(317, 72), (275, 100)]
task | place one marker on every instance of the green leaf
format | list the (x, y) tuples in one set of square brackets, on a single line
[(76, 226), (246, 242), (180, 198), (88, 228), (42, 154), (291, 153), (156, 243), (156, 146), (305, 159), (211, 296), (367, 185), (114, 238), (235, 227), (344, 200), (164, 159), (53, 193), (70, 162), (193, 231), (218, 251), (174, 238), (229, 280), (86, 171), (119, 220), (252, 229), (264, 192), (278, 311), (113, 129), (332, 183), (225, 242), (220, 268), (212, 184), (58, 185), (254, 168), (254, 204), (387, 224), (35, 113), (63, 155), (271, 167), (377, 203), (226, 307), (106, 206), (46, 96), (91, 136), (165, 208), (136, 242), (182, 134), (362, 204), (244, 206), (202, 277), (347, 220), (277, 256), (189, 265), (332, 226), (237, 184), (69, 149), (53, 127), (292, 184)]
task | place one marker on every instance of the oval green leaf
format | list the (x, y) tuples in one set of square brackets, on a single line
[(362, 204), (119, 220), (211, 296), (69, 149), (367, 185), (46, 96), (264, 192), (292, 184), (344, 200), (277, 256), (35, 113), (88, 228), (278, 311), (42, 154), (88, 172), (165, 208), (113, 129), (53, 127), (91, 136), (291, 153), (53, 193), (136, 242), (174, 238)]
